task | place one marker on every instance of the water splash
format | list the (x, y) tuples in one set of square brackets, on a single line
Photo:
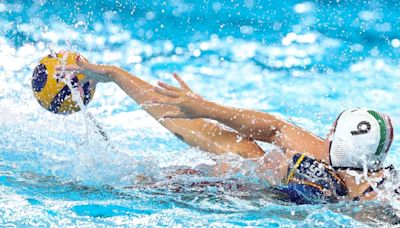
[(312, 78)]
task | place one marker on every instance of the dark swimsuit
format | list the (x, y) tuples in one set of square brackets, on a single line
[(310, 181)]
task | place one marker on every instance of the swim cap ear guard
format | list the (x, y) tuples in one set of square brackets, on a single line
[(361, 139)]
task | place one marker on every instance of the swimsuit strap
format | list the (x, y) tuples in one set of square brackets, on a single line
[(311, 181), (291, 173)]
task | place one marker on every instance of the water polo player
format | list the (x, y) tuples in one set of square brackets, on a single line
[(347, 165)]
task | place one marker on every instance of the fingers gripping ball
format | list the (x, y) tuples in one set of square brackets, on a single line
[(50, 90)]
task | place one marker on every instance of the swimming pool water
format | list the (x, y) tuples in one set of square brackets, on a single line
[(303, 60)]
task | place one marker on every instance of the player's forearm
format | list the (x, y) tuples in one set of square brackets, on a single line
[(268, 128), (132, 85), (249, 123)]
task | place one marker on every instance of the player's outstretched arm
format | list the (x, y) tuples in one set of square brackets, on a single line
[(208, 136), (249, 123)]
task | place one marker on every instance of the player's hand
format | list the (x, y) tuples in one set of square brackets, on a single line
[(189, 104), (94, 72)]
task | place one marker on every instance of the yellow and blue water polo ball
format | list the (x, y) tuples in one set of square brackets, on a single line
[(53, 94)]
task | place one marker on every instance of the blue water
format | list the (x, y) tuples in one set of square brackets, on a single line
[(304, 61)]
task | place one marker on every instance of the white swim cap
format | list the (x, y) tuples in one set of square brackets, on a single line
[(361, 138)]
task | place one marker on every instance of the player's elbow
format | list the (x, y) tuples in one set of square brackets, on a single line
[(265, 134)]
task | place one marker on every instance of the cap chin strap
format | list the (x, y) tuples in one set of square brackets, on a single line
[(390, 168), (378, 166), (356, 169)]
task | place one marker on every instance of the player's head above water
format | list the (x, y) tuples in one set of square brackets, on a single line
[(361, 139)]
